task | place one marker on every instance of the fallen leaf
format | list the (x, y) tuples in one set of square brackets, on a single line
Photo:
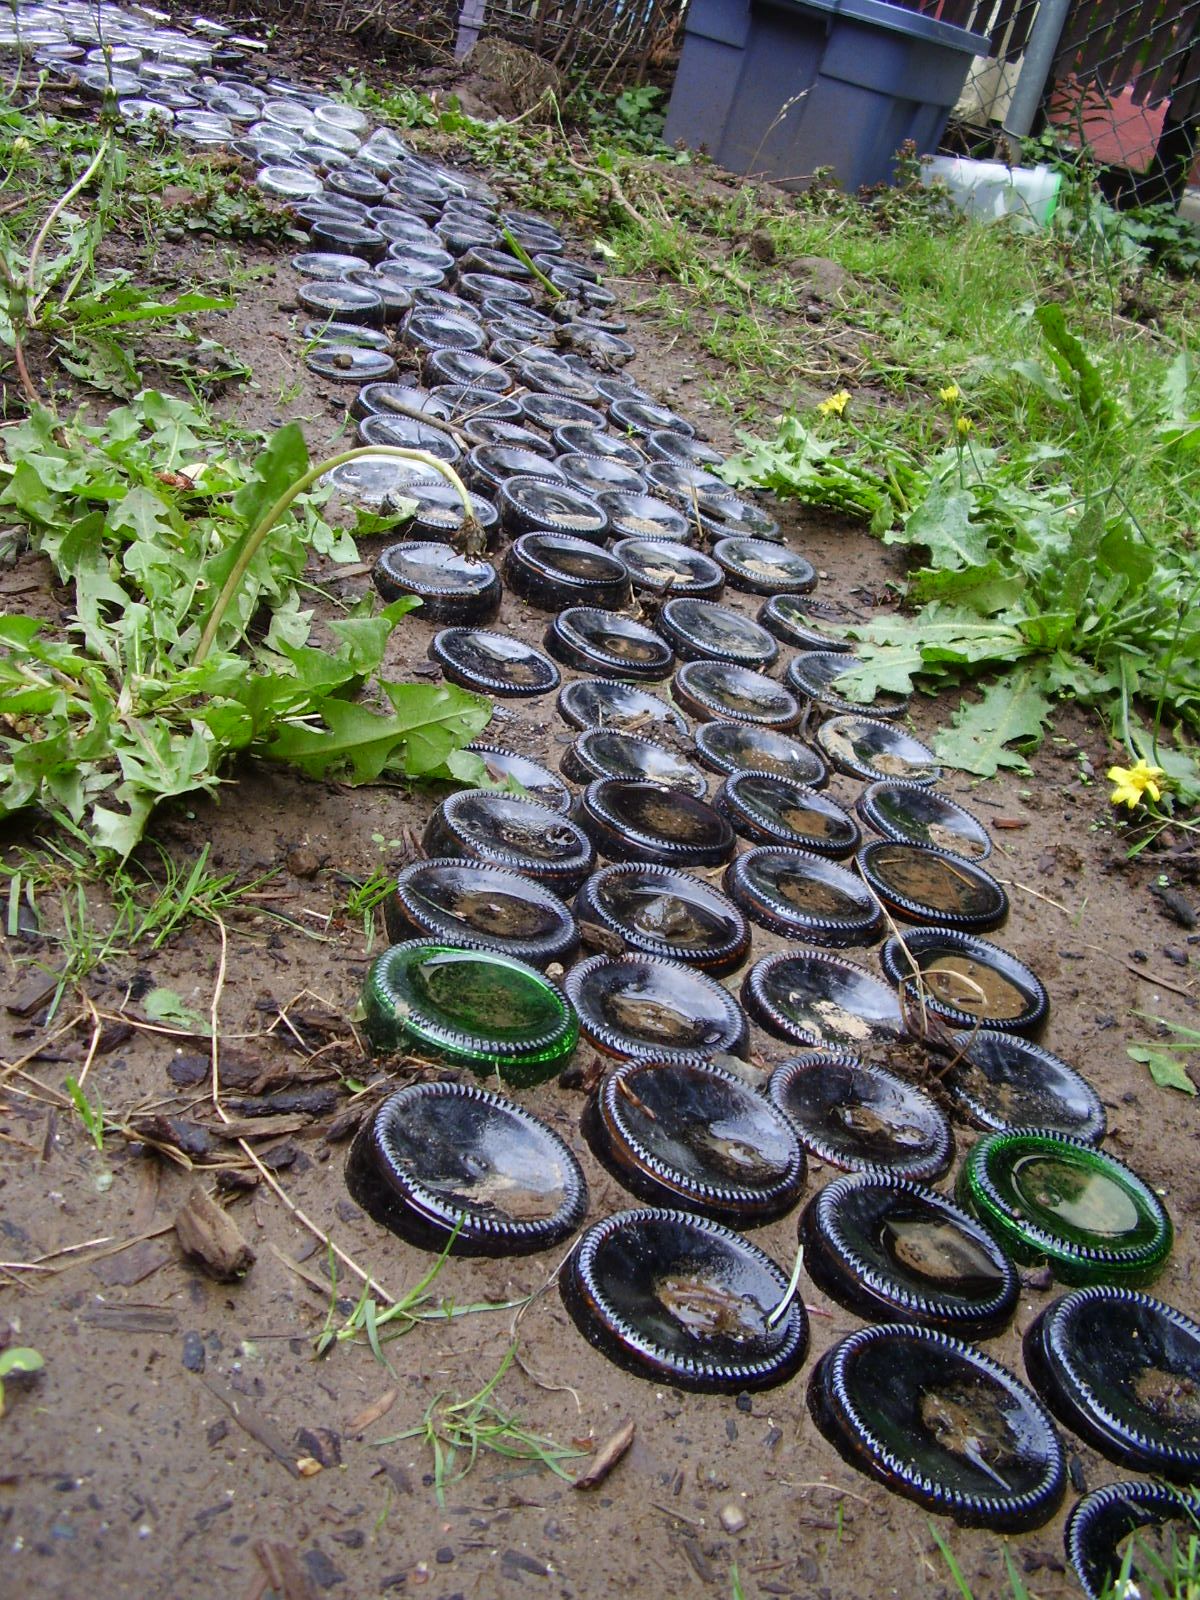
[(606, 1458), (363, 1419)]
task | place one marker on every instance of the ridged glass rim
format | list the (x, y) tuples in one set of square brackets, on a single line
[(860, 769), (1028, 1240), (938, 1156), (773, 1200), (705, 696), (598, 804), (441, 649), (822, 1211), (867, 807), (780, 917), (1052, 1334), (632, 1047), (433, 1210), (831, 1375), (586, 760), (549, 947), (554, 1042), (644, 1351), (712, 732), (579, 686), (743, 807), (928, 914), (971, 1104), (1134, 1496), (770, 1016), (732, 562), (588, 897), (994, 955)]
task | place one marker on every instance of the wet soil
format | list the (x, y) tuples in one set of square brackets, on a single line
[(157, 1453)]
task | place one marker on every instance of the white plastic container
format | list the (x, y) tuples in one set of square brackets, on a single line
[(991, 189)]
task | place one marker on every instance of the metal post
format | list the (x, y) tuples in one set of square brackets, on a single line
[(1035, 70), (470, 23)]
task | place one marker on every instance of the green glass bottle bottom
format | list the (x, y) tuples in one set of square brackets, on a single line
[(476, 1008), (1050, 1198)]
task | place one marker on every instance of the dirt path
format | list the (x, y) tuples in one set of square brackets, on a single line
[(156, 1454)]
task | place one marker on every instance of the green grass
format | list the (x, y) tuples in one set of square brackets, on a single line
[(92, 913), (1168, 1571), (458, 1432)]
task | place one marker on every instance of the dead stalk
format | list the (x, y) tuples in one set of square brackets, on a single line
[(247, 1150)]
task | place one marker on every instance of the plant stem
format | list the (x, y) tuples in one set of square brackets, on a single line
[(266, 522), (52, 216)]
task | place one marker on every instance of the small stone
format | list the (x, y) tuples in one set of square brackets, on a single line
[(733, 1518), (744, 1403), (1175, 954), (193, 1352), (322, 1444), (444, 1556), (303, 861), (321, 1569)]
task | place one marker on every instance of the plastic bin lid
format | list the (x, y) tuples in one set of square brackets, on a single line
[(897, 19)]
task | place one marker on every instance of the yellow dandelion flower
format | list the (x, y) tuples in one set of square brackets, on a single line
[(1131, 784), (836, 404), (964, 425), (950, 394)]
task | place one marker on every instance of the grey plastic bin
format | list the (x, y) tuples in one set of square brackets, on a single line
[(780, 87)]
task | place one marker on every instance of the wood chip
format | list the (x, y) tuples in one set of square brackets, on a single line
[(606, 1458), (32, 997), (131, 1319), (208, 1235), (260, 1127), (252, 1422), (146, 1201), (135, 1263), (284, 1572), (362, 1420)]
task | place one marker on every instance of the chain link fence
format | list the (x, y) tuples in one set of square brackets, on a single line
[(626, 39), (1123, 84)]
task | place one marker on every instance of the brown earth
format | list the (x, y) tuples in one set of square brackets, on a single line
[(156, 1455)]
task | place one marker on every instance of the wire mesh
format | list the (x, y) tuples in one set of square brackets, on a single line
[(1124, 84), (633, 36)]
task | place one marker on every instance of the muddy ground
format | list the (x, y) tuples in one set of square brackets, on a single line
[(156, 1455)]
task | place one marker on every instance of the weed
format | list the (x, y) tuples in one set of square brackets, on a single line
[(1170, 1571), (91, 1112), (50, 284), (1016, 1583), (1164, 1059), (459, 1431), (161, 685), (1166, 1570), (365, 898), (17, 1360), (381, 1326), (142, 912), (1064, 583)]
